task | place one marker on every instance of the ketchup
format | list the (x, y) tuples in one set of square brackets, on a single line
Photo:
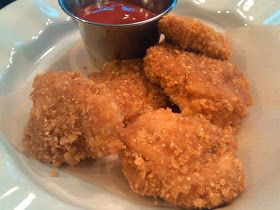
[(114, 12)]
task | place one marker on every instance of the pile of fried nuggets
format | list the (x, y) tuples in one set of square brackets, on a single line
[(188, 158)]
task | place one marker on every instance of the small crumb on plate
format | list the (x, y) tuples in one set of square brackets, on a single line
[(53, 173)]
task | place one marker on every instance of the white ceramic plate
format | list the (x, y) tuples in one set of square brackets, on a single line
[(35, 34)]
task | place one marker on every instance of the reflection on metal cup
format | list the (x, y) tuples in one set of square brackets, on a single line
[(105, 42)]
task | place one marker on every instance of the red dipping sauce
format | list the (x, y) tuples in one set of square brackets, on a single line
[(115, 12)]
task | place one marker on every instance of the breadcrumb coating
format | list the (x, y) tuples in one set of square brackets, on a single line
[(71, 119), (191, 34), (134, 93), (198, 84), (186, 161)]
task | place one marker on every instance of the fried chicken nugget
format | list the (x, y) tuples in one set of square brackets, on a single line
[(198, 84), (133, 91), (186, 161), (191, 34), (71, 119)]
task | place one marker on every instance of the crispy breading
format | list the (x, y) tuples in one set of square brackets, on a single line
[(198, 84), (186, 161), (71, 119), (191, 34), (133, 91)]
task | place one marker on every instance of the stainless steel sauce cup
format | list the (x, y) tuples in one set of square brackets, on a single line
[(105, 42)]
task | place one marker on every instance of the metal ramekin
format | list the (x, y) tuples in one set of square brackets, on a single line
[(105, 42)]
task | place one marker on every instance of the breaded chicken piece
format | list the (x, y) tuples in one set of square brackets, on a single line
[(133, 91), (186, 161), (71, 119), (191, 34), (198, 84)]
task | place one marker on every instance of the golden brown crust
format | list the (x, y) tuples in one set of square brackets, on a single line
[(191, 34), (133, 91), (71, 119), (184, 160), (198, 84)]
